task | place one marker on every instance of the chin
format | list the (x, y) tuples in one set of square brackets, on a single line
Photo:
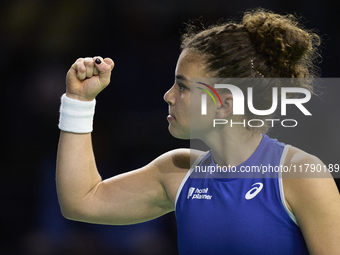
[(180, 134)]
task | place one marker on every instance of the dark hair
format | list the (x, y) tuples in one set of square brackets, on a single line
[(263, 44)]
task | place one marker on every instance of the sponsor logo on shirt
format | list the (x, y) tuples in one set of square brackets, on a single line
[(196, 193), (254, 191)]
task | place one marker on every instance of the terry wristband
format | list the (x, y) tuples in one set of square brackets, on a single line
[(76, 116)]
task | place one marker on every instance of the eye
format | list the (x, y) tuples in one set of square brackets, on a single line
[(181, 86)]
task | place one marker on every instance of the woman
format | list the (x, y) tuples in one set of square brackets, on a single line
[(215, 215)]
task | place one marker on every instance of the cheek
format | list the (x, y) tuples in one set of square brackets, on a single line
[(197, 107), (200, 121)]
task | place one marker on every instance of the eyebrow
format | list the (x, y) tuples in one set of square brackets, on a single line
[(181, 77)]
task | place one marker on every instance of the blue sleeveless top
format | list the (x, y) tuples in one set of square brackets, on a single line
[(241, 216)]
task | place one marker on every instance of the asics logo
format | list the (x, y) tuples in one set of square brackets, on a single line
[(254, 191)]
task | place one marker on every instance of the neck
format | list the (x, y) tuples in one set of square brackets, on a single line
[(234, 146)]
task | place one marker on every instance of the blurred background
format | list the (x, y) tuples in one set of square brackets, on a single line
[(40, 40)]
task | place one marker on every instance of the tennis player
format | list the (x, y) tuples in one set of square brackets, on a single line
[(214, 215)]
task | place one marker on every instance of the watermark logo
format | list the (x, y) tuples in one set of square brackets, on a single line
[(204, 97), (239, 103)]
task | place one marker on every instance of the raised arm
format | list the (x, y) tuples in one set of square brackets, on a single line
[(132, 197)]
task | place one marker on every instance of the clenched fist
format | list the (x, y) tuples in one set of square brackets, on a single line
[(87, 77)]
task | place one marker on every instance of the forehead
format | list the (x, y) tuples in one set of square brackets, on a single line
[(190, 65)]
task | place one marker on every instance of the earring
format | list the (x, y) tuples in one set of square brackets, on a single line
[(218, 115)]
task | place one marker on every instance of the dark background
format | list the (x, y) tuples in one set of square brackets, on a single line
[(39, 41)]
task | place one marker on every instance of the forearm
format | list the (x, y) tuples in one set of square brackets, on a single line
[(77, 173)]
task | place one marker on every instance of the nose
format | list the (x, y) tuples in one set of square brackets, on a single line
[(169, 96)]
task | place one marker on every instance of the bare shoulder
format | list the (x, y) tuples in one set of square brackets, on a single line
[(172, 167), (307, 176), (296, 156), (300, 164), (313, 198)]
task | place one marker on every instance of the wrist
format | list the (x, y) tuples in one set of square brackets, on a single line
[(76, 116), (79, 98)]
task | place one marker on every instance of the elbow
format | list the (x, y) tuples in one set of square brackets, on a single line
[(75, 214), (70, 213)]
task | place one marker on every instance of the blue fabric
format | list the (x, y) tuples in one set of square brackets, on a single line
[(214, 216)]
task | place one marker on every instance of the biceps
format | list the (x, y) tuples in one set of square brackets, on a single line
[(133, 197)]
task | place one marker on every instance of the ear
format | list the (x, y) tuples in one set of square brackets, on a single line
[(226, 109)]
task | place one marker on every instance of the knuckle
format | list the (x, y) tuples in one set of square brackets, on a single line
[(88, 62), (82, 69), (79, 61), (79, 65)]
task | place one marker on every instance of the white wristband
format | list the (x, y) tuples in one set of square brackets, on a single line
[(76, 116)]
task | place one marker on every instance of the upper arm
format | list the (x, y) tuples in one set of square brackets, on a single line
[(131, 197), (315, 202)]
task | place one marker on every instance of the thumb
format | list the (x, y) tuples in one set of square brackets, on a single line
[(110, 62), (104, 67)]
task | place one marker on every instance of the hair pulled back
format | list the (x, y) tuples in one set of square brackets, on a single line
[(277, 44)]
